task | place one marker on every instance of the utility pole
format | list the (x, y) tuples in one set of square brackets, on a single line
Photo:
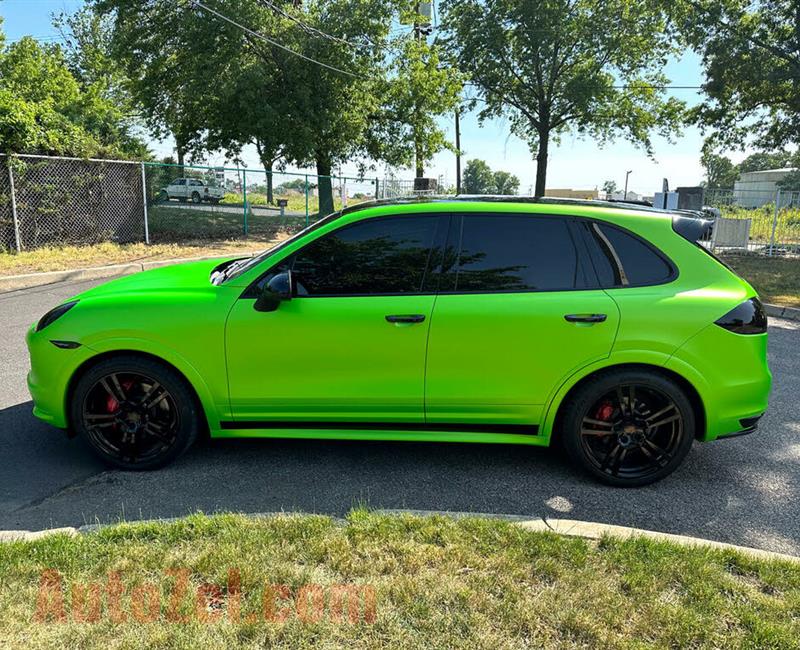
[(458, 152)]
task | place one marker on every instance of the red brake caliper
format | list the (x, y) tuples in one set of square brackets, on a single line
[(112, 405), (604, 412)]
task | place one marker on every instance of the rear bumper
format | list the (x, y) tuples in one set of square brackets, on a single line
[(731, 375)]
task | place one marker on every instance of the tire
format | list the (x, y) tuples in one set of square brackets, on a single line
[(115, 405), (628, 447), (196, 198)]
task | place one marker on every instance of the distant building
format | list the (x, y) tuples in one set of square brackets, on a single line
[(754, 189), (572, 194)]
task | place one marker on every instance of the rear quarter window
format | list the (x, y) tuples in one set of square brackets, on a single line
[(622, 259)]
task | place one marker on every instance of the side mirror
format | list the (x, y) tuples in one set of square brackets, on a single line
[(278, 289)]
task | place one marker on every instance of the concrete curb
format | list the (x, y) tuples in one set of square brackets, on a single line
[(31, 280), (592, 530), (779, 311), (31, 536), (565, 527)]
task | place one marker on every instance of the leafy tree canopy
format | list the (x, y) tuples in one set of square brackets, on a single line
[(720, 171), (45, 108), (751, 56), (588, 67), (480, 179)]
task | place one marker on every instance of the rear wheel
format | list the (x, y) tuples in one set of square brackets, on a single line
[(628, 428), (135, 413)]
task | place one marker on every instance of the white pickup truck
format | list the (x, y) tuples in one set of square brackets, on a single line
[(192, 189)]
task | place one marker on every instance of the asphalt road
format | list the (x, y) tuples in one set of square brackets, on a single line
[(743, 491)]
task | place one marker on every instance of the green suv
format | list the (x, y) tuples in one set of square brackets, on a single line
[(606, 328)]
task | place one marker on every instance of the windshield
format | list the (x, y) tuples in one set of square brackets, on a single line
[(244, 265)]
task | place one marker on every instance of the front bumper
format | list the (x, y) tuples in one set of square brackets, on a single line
[(50, 374)]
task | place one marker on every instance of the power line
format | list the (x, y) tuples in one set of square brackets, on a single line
[(305, 26), (197, 3)]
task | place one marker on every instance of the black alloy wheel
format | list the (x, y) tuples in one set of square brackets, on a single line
[(631, 430), (135, 413)]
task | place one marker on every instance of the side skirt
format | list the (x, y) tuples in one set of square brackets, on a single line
[(411, 431)]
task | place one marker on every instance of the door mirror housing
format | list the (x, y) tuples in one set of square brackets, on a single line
[(278, 289)]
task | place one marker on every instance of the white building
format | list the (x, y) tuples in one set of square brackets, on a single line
[(754, 189)]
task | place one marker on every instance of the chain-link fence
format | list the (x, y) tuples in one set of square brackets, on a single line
[(765, 221), (51, 201), (57, 201), (195, 202)]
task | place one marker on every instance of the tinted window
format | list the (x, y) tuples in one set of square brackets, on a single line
[(180, 181), (623, 259), (510, 253), (376, 256)]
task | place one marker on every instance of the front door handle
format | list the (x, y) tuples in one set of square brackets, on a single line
[(585, 318), (405, 318)]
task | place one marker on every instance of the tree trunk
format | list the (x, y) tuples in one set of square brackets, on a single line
[(324, 187), (268, 159), (268, 169), (181, 157), (541, 162), (420, 163)]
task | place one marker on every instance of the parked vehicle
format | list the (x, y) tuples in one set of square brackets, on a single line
[(192, 189), (604, 327)]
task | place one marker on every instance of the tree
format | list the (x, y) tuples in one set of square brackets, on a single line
[(44, 109), (419, 88), (790, 182), (478, 178), (751, 58), (609, 187), (591, 68), (314, 102), (761, 161), (720, 171), (505, 183)]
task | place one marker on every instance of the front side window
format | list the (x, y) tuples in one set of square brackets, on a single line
[(622, 259), (505, 253), (375, 256)]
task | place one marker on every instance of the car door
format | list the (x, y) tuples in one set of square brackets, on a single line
[(350, 345), (515, 316)]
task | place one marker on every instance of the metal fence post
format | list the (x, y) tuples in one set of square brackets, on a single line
[(13, 206), (307, 190), (774, 221), (377, 186), (244, 199), (144, 204)]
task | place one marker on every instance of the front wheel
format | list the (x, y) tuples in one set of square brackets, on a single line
[(196, 197), (628, 428), (136, 413)]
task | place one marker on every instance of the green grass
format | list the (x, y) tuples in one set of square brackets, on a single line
[(439, 583), (787, 226), (777, 279)]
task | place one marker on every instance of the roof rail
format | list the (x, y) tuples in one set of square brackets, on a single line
[(495, 198)]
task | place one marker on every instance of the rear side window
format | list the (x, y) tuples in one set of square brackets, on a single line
[(622, 259), (504, 253), (371, 257)]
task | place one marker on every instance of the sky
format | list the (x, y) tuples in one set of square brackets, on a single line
[(574, 163)]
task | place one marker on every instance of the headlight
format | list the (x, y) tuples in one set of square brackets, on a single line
[(54, 314)]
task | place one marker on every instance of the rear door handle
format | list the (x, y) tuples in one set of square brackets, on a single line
[(405, 318), (585, 318)]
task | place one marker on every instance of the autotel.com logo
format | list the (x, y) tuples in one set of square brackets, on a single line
[(180, 598)]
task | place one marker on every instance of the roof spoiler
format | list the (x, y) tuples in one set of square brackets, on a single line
[(692, 227)]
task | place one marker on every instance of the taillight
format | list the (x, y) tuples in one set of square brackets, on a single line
[(747, 318)]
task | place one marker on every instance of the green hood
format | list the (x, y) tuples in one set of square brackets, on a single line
[(189, 275)]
